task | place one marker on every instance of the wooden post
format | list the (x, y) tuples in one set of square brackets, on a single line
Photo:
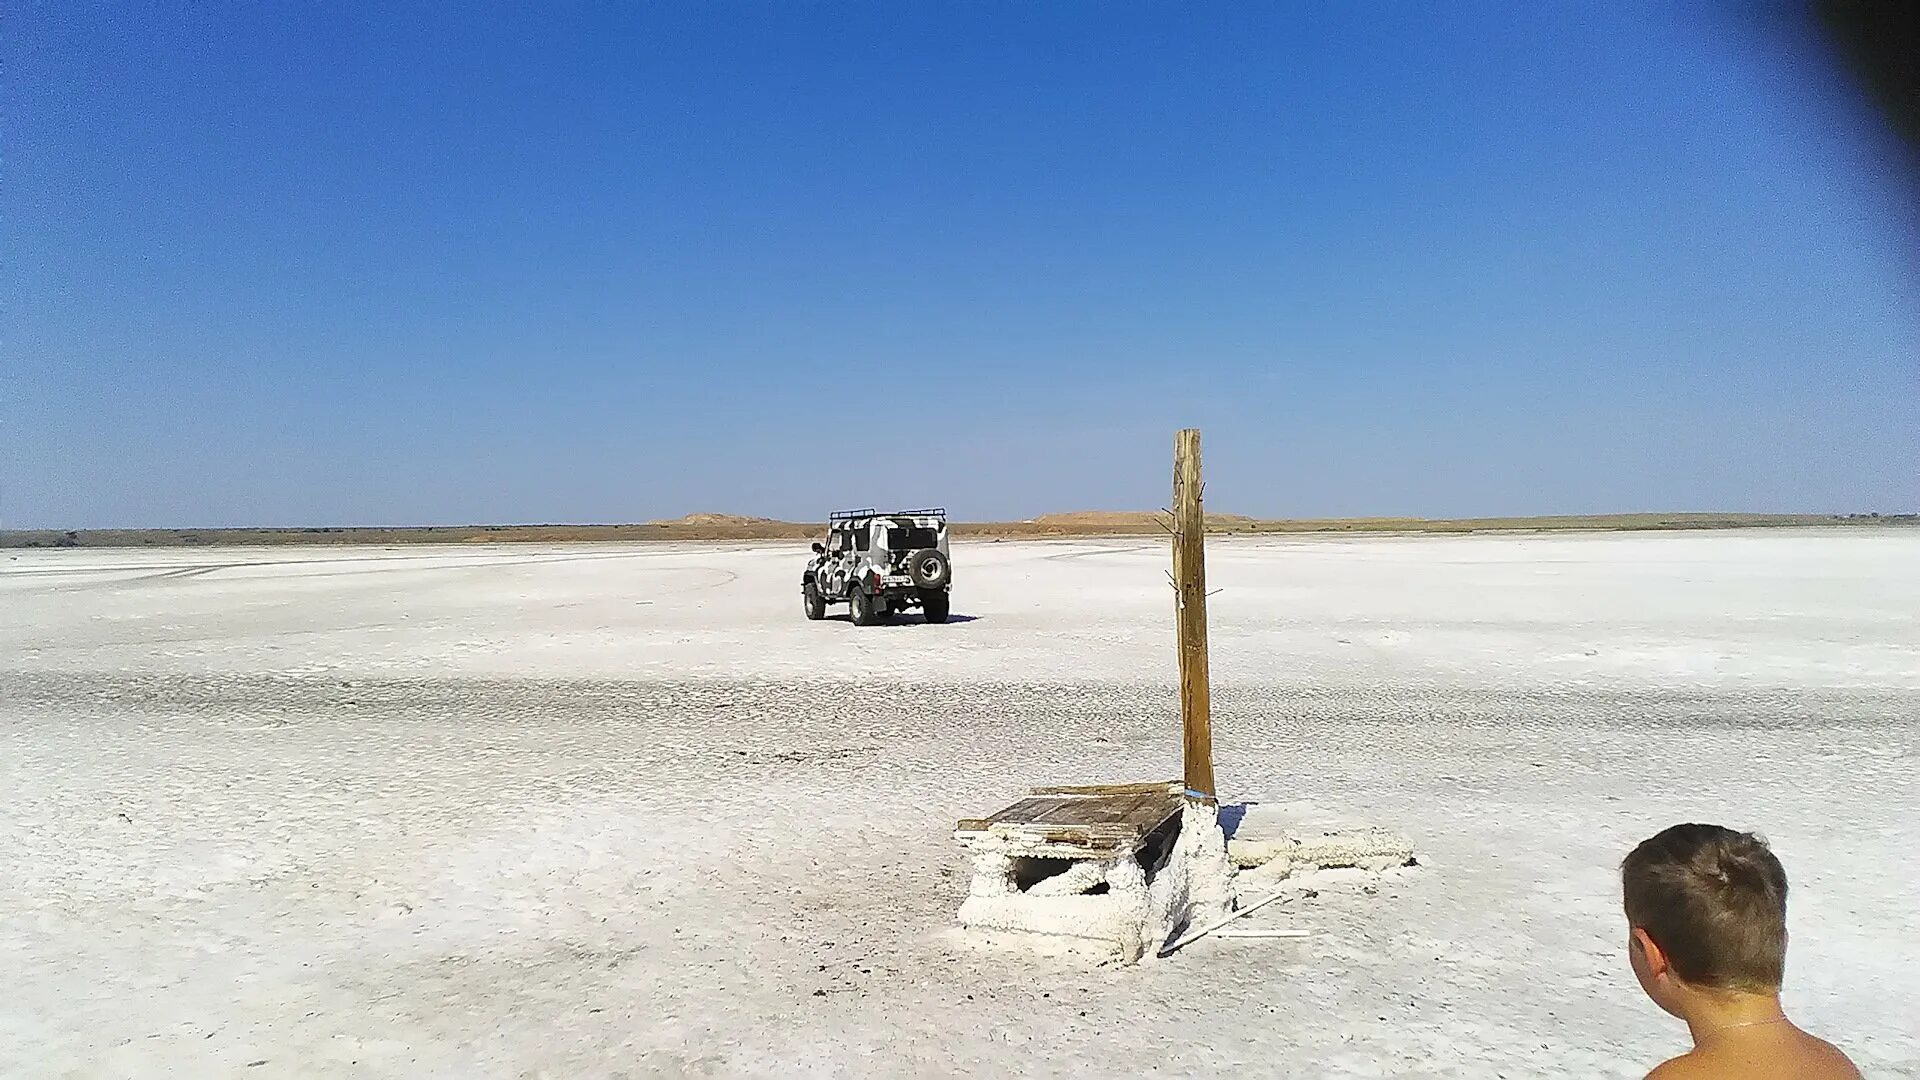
[(1190, 588)]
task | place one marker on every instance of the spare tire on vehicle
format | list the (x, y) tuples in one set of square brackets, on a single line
[(929, 569)]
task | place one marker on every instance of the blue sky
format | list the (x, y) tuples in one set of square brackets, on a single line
[(313, 264)]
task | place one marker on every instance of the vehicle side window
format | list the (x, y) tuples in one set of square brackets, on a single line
[(862, 538), (838, 541)]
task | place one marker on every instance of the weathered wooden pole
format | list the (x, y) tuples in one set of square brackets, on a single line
[(1190, 588)]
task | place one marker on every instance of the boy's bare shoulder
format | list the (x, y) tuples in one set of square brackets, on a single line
[(1832, 1063), (1821, 1060), (1684, 1067)]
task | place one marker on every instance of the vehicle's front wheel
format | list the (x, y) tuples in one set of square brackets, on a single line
[(935, 605), (866, 609), (815, 603)]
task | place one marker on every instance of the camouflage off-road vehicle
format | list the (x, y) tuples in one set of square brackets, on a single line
[(880, 565)]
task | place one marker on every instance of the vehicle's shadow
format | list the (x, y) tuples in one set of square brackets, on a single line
[(908, 620)]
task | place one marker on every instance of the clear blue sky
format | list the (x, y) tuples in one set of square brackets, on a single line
[(398, 263)]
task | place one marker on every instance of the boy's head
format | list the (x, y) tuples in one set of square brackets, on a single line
[(1706, 906)]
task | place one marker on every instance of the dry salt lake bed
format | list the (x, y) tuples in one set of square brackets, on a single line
[(618, 810)]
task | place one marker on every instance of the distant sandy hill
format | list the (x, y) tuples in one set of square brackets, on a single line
[(1124, 520), (709, 521)]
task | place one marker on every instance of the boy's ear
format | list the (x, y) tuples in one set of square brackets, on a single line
[(1650, 952)]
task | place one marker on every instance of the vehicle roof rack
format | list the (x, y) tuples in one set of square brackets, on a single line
[(869, 512)]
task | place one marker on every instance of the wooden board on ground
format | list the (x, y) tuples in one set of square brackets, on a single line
[(1077, 823)]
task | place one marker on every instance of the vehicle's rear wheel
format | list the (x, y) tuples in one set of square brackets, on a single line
[(815, 603), (935, 605), (866, 611)]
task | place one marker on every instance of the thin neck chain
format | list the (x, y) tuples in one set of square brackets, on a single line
[(1745, 1024)]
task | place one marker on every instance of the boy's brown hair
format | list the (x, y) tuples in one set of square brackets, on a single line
[(1715, 901)]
